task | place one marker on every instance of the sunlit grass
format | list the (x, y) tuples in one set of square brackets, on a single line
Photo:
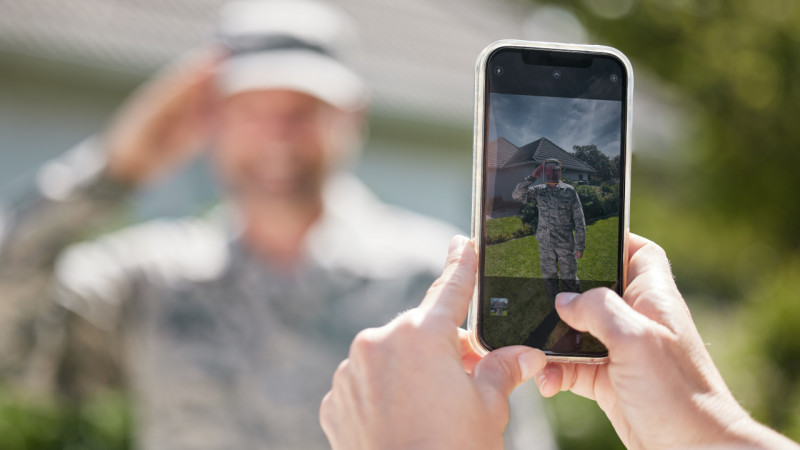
[(520, 257)]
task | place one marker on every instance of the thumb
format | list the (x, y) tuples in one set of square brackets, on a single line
[(499, 372), (602, 313)]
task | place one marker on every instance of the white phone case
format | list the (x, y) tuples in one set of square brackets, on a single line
[(478, 169)]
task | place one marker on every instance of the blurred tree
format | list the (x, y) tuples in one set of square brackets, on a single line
[(722, 203), (739, 60), (599, 161)]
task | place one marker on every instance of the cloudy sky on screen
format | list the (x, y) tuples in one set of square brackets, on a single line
[(523, 119)]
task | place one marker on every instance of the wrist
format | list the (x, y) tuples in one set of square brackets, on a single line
[(728, 425), (123, 171), (748, 433), (83, 170)]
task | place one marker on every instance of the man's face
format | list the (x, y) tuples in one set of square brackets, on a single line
[(552, 174), (278, 144)]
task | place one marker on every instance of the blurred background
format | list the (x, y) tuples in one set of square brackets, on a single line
[(716, 154)]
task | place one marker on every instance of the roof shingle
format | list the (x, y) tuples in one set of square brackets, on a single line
[(503, 153)]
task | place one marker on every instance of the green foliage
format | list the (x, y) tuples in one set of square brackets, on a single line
[(591, 155), (598, 201), (101, 423), (530, 215), (739, 62), (772, 312), (721, 200), (591, 200), (580, 424)]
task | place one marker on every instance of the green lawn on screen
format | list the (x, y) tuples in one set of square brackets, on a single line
[(520, 257)]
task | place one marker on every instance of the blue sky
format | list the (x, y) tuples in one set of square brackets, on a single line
[(565, 121)]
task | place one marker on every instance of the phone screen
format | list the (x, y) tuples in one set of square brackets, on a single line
[(553, 193)]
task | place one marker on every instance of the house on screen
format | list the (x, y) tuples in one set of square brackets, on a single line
[(508, 164)]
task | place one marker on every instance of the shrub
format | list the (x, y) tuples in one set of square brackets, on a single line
[(591, 200), (530, 215)]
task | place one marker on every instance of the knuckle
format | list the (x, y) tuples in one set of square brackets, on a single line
[(644, 341), (328, 413), (656, 252), (570, 378), (409, 325), (325, 407), (454, 258), (341, 373), (342, 369), (510, 370), (365, 342), (435, 286), (632, 336), (655, 248), (506, 368)]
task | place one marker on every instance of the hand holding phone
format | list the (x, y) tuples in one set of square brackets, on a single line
[(662, 389), (551, 189), (405, 380)]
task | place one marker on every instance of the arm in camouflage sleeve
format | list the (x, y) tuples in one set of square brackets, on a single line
[(164, 123), (580, 224), (520, 193), (67, 197), (70, 194)]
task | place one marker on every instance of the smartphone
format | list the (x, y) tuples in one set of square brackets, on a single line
[(550, 191)]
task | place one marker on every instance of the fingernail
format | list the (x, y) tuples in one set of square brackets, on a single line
[(529, 364), (565, 298), (541, 380), (457, 243)]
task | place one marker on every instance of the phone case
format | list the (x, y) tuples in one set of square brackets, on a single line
[(477, 164)]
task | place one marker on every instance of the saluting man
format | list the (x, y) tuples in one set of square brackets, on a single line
[(561, 232)]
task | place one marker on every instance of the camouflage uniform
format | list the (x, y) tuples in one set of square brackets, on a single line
[(561, 231), (223, 349)]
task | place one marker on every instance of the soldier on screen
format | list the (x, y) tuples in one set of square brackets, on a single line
[(561, 232)]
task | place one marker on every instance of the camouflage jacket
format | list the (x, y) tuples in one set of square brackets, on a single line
[(561, 220), (223, 349)]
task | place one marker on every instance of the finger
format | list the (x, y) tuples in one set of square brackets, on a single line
[(652, 291), (602, 313), (191, 85), (647, 256), (580, 379), (449, 296), (635, 242), (196, 64), (178, 83), (325, 412), (502, 370), (549, 379), (468, 356)]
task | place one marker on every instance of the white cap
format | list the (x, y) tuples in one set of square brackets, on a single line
[(295, 45)]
